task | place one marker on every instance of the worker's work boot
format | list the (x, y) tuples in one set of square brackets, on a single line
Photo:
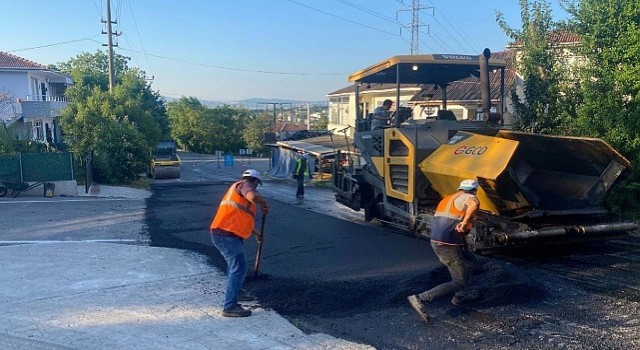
[(464, 297), (419, 306), (236, 311)]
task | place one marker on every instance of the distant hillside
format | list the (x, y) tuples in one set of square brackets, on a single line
[(254, 103)]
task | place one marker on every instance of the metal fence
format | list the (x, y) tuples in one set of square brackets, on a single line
[(33, 167)]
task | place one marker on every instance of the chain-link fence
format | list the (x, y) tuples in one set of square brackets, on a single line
[(36, 167)]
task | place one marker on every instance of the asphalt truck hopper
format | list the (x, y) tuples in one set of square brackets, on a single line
[(544, 185)]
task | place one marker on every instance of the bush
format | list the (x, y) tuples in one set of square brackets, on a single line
[(624, 200), (120, 153)]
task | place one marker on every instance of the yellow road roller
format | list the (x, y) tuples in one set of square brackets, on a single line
[(165, 163)]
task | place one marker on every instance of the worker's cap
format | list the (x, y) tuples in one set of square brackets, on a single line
[(252, 173), (468, 185)]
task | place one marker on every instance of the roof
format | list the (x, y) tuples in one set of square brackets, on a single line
[(286, 126), (558, 38), (463, 90), (11, 62), (8, 60), (468, 89), (320, 146), (372, 88), (423, 69)]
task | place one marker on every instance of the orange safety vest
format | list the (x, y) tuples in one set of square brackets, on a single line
[(445, 219), (235, 214), (447, 209)]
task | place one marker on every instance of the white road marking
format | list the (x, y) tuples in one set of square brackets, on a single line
[(76, 241), (71, 200)]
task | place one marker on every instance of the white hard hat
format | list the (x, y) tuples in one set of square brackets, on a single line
[(252, 173), (468, 185)]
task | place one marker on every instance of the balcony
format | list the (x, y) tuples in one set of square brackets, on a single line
[(42, 106)]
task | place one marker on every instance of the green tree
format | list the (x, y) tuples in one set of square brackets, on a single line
[(227, 127), (609, 89), (6, 141), (205, 130), (253, 134), (185, 116), (539, 109), (610, 72), (111, 123), (322, 123), (121, 153), (92, 69), (142, 106)]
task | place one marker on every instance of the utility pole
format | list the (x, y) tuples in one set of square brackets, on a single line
[(415, 24), (308, 117), (267, 104), (110, 44)]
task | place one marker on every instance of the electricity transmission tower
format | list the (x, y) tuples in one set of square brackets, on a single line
[(415, 25)]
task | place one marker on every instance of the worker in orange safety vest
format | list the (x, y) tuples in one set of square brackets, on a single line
[(452, 220), (233, 223)]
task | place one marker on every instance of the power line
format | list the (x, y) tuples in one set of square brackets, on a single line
[(344, 19), (98, 8), (455, 29), (58, 43), (232, 68), (140, 38), (175, 59), (364, 9), (124, 34), (440, 42), (427, 45), (118, 15), (452, 37)]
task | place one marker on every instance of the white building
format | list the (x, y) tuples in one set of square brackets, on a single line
[(31, 98)]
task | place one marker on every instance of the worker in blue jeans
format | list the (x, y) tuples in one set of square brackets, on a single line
[(233, 223), (451, 222)]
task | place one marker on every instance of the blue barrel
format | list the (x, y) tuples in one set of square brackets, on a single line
[(228, 160)]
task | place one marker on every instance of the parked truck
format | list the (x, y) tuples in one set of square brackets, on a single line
[(533, 189)]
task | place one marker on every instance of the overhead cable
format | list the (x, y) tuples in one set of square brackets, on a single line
[(233, 68), (344, 19), (58, 43), (464, 36)]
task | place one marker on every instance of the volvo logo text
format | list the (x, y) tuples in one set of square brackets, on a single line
[(458, 57), (470, 150)]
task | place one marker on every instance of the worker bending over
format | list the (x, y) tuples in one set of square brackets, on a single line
[(451, 222)]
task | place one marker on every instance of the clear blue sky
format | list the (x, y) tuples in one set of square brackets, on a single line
[(229, 50)]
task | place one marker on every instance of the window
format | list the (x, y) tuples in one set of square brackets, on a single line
[(37, 131), (339, 110)]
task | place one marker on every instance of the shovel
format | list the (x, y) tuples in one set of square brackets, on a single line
[(260, 241)]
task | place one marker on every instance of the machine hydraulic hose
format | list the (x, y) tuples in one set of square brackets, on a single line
[(520, 236)]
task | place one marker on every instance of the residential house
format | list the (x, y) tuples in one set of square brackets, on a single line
[(31, 98), (342, 105), (463, 97)]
